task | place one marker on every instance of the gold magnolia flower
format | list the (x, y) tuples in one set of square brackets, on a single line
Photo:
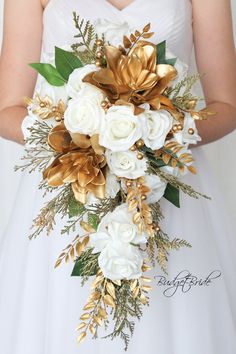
[(134, 77), (81, 163)]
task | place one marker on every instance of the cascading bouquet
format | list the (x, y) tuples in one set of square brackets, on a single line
[(113, 143)]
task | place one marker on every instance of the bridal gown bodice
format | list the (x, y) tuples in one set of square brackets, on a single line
[(171, 20), (40, 306)]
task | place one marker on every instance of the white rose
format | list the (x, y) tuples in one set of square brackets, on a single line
[(183, 136), (121, 129), (85, 115), (157, 187), (120, 261), (116, 226), (113, 32), (126, 164), (75, 82), (156, 126)]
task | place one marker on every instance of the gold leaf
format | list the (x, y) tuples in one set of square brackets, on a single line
[(102, 313), (127, 43), (81, 337), (98, 280), (166, 158), (133, 205), (137, 218), (146, 287), (72, 253), (85, 316), (145, 267), (92, 329), (174, 162), (79, 248), (192, 169), (148, 35), (132, 37), (111, 289), (146, 279), (98, 320), (130, 195), (137, 33), (143, 299), (135, 292), (108, 300), (80, 326), (67, 259), (133, 284), (85, 241), (58, 262), (87, 227), (117, 282), (95, 296), (90, 305), (147, 27)]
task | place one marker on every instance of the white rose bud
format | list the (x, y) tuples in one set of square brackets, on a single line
[(84, 114), (75, 83), (113, 32), (156, 126), (121, 129), (126, 164), (120, 261)]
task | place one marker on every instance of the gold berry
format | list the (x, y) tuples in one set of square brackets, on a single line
[(139, 185), (99, 42), (180, 127), (104, 104), (140, 143), (191, 131), (99, 55), (140, 156), (98, 63), (133, 148), (42, 104), (175, 128), (128, 183), (143, 197)]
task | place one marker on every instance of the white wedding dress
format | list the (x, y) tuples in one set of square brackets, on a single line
[(40, 306)]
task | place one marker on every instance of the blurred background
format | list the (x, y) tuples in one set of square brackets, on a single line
[(220, 156)]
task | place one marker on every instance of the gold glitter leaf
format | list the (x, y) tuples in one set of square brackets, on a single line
[(111, 289), (108, 300), (85, 316), (80, 326), (81, 337)]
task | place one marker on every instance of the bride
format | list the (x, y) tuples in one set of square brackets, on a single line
[(39, 306)]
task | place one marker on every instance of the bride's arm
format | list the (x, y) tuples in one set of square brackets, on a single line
[(21, 45), (215, 56)]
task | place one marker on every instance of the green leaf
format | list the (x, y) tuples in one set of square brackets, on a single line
[(93, 220), (161, 52), (161, 55), (66, 62), (86, 264), (171, 61), (172, 195), (75, 208), (50, 73)]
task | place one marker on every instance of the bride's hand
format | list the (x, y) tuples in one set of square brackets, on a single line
[(215, 56), (22, 36)]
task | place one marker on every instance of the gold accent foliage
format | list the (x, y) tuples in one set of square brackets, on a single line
[(169, 157), (73, 250), (43, 107), (142, 216)]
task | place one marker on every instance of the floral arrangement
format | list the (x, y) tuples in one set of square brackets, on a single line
[(109, 128)]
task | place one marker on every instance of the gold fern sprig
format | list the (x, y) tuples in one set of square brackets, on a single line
[(87, 35)]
